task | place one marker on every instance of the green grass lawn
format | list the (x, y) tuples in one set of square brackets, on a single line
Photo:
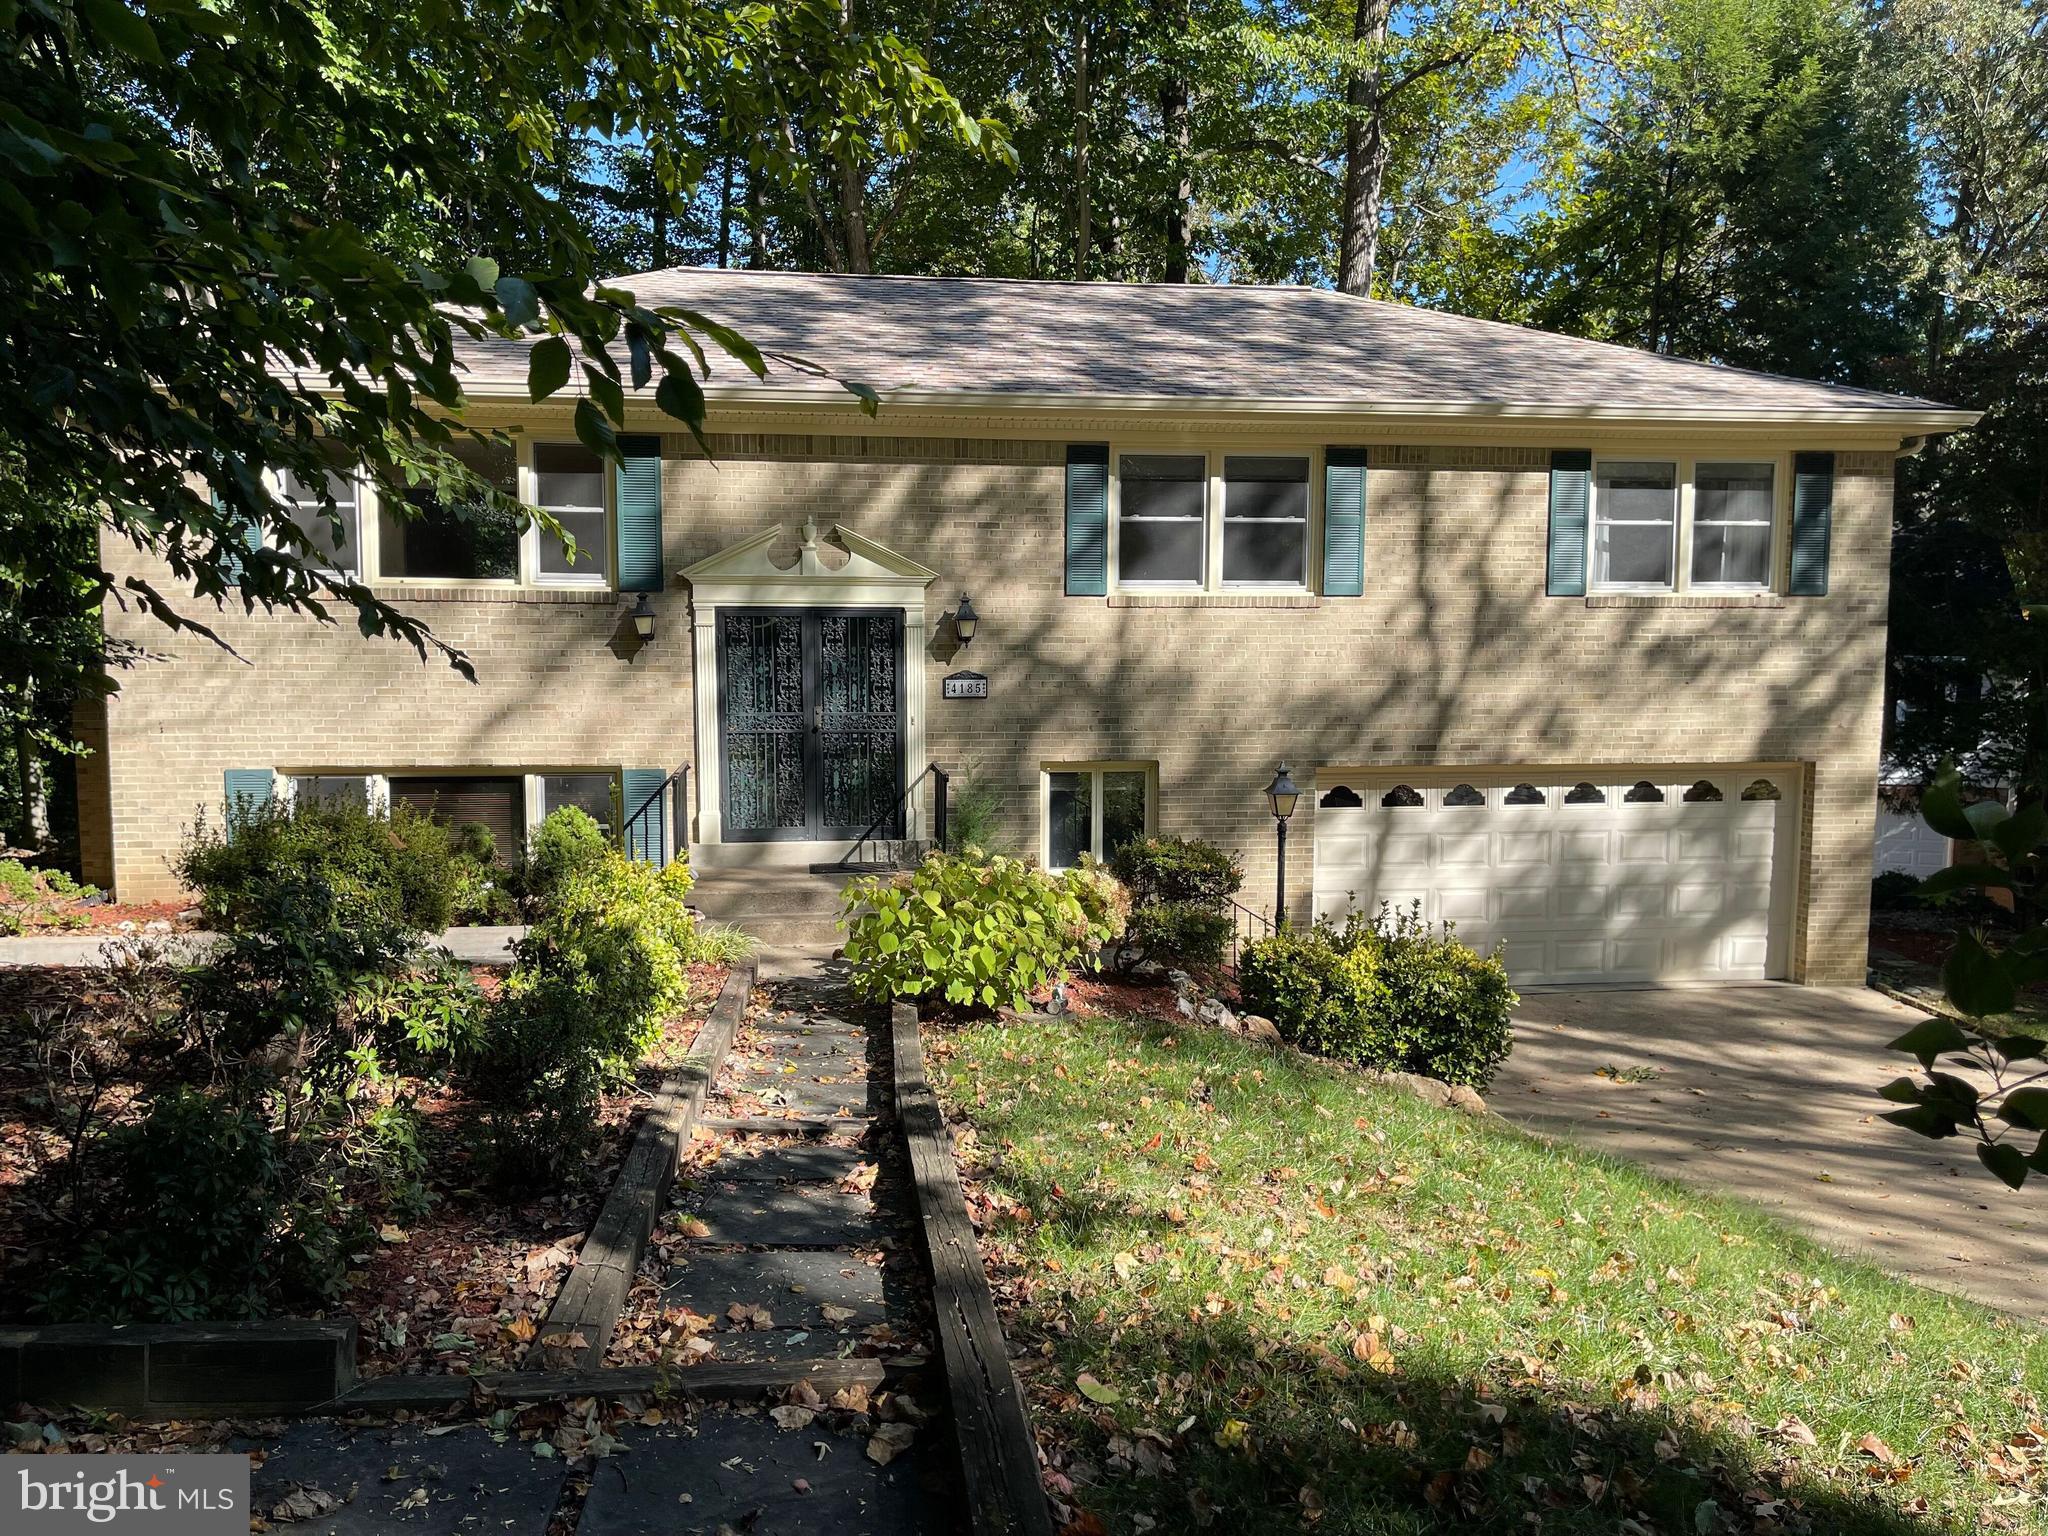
[(1261, 1295)]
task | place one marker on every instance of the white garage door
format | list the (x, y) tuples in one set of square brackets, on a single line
[(1905, 842), (1620, 874)]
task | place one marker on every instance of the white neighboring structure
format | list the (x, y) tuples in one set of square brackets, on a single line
[(1907, 844)]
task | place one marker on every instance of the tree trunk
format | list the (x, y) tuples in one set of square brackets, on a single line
[(1180, 207), (32, 829), (1365, 153), (725, 216), (757, 226), (853, 217), (660, 222), (1082, 236)]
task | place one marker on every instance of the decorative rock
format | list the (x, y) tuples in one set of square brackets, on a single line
[(1186, 1003), (1147, 970), (1212, 1011), (1258, 1028), (1059, 1003), (1430, 1091), (1182, 983)]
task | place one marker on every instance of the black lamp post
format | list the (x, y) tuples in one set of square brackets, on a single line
[(1281, 795), (643, 617), (966, 621)]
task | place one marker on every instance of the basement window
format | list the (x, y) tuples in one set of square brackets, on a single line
[(1094, 808)]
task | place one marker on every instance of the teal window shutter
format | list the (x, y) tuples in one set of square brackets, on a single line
[(1344, 522), (1088, 520), (639, 510), (251, 538), (1571, 496), (244, 792), (1813, 518), (646, 838)]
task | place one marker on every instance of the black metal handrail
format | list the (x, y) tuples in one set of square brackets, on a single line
[(868, 840), (680, 837), (1243, 918)]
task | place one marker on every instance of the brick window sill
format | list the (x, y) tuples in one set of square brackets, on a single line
[(1685, 600), (425, 592), (1214, 600)]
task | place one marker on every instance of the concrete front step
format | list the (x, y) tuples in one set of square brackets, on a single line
[(777, 906)]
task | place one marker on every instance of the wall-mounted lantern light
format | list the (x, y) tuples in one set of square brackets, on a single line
[(643, 617), (966, 620)]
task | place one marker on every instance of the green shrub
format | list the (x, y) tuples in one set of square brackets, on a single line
[(1320, 989), (599, 969), (1395, 994), (39, 896), (568, 841), (399, 872), (974, 807), (422, 1018), (205, 1217), (1445, 1008), (1180, 900), (1895, 891), (979, 934)]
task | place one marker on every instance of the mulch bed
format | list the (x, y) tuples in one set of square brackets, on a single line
[(463, 1289), (57, 919)]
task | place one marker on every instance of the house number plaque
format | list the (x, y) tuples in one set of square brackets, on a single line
[(963, 685)]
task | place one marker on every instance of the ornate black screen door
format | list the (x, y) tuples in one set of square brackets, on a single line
[(811, 721)]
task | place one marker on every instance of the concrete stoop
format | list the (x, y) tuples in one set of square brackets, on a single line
[(780, 907)]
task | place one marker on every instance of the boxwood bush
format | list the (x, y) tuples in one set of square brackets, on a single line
[(1396, 993), (1180, 900), (977, 933)]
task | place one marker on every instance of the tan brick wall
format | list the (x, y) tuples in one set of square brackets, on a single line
[(1454, 657)]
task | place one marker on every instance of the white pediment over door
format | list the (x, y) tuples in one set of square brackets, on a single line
[(869, 575)]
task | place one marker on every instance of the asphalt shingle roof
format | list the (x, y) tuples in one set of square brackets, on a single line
[(1194, 344)]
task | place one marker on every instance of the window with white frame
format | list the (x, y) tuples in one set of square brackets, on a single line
[(595, 793), (568, 484), (1265, 520), (1094, 809), (332, 789), (334, 538), (447, 540), (1732, 524), (1213, 521), (1664, 525), (1162, 519)]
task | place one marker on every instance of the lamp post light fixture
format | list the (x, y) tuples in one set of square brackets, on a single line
[(966, 621), (1281, 795), (643, 617)]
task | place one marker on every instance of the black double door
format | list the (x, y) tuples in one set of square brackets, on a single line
[(810, 709)]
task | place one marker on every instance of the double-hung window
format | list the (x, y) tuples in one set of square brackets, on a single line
[(334, 540), (1163, 519), (446, 539), (1265, 520), (568, 484), (1213, 521), (1684, 524)]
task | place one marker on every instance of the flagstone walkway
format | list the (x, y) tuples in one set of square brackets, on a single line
[(798, 1243)]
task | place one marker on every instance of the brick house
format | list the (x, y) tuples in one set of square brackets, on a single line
[(1578, 645)]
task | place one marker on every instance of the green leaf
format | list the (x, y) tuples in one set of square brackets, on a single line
[(2027, 1107), (518, 300), (594, 432), (1985, 818), (482, 271), (1096, 1392), (1974, 981), (2003, 1160), (1964, 877), (121, 27), (1923, 1119), (606, 392), (2021, 833), (547, 367), (1941, 807), (1931, 1038)]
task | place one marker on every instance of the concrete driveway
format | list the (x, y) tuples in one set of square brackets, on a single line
[(1767, 1093)]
